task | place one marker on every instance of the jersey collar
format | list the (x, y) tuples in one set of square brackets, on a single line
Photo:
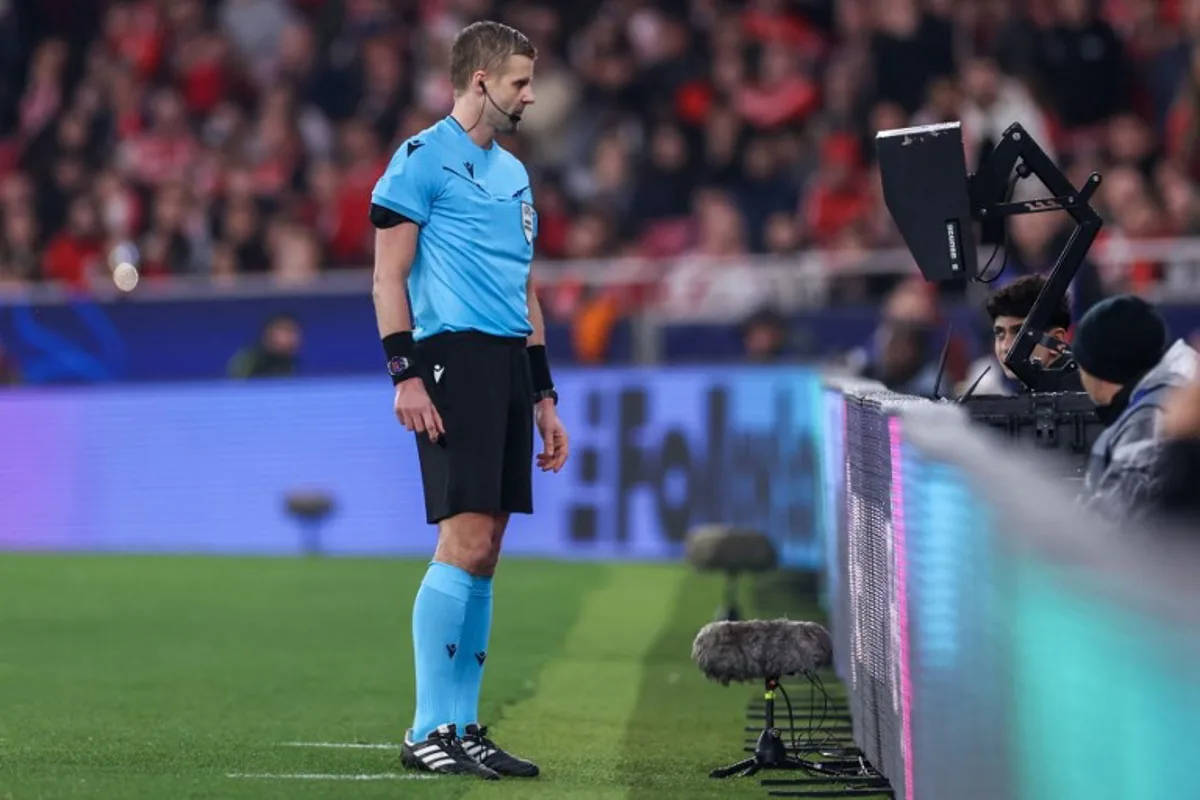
[(457, 127)]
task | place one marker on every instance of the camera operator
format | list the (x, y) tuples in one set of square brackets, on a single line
[(1128, 371), (1007, 309)]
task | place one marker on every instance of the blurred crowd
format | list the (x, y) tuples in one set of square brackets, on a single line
[(226, 137)]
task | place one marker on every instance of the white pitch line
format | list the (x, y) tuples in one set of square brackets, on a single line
[(343, 745), (320, 776)]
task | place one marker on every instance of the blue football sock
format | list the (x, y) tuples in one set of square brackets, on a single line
[(468, 673), (438, 615)]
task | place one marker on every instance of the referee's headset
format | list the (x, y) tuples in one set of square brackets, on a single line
[(513, 117)]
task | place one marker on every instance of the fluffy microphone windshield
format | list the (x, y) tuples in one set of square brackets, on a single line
[(760, 649)]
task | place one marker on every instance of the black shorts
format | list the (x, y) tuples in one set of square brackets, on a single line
[(482, 388)]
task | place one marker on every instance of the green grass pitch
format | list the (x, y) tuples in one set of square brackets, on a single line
[(171, 678)]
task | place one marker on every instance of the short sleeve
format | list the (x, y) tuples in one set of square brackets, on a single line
[(410, 182)]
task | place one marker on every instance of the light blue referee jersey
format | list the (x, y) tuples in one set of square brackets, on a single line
[(475, 209)]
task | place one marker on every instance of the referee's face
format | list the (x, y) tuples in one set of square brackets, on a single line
[(514, 89)]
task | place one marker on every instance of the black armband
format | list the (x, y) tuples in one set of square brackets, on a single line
[(384, 218), (398, 347), (539, 367)]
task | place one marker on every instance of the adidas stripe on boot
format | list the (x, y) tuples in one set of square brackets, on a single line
[(477, 745), (443, 753)]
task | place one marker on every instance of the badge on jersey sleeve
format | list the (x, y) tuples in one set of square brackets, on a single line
[(528, 221)]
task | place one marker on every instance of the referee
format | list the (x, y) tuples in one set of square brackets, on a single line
[(455, 225)]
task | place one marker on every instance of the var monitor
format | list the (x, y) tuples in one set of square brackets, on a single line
[(925, 188)]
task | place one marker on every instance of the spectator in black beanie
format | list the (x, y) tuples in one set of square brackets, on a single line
[(1128, 371)]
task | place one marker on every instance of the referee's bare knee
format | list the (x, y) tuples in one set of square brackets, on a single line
[(471, 542)]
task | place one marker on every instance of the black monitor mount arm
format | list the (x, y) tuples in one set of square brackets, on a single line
[(990, 192)]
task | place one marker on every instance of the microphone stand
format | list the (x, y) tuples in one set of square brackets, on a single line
[(769, 752)]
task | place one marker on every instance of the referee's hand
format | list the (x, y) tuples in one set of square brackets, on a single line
[(416, 411), (554, 437)]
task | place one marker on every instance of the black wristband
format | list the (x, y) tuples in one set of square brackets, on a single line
[(539, 367), (398, 347)]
